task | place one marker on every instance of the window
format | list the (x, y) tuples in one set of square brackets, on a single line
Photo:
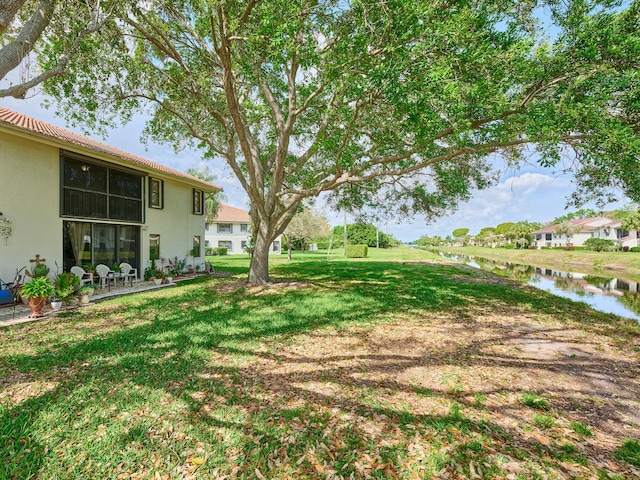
[(276, 246), (243, 227), (156, 193), (206, 227), (225, 243), (225, 228), (195, 251), (243, 245), (198, 202), (154, 246), (207, 243), (95, 191)]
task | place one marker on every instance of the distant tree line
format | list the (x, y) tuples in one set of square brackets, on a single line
[(520, 234)]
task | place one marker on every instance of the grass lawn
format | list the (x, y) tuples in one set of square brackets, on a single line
[(395, 366), (613, 264)]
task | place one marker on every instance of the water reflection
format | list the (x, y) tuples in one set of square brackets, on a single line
[(610, 295)]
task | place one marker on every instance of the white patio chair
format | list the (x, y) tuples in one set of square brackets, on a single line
[(82, 275), (103, 272), (128, 272)]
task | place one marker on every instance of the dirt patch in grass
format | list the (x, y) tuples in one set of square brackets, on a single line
[(418, 378)]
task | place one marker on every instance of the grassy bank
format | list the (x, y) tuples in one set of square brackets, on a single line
[(615, 264), (382, 368)]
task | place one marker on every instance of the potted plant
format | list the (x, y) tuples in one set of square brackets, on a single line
[(89, 268), (92, 288), (158, 276), (37, 291), (83, 293), (60, 295)]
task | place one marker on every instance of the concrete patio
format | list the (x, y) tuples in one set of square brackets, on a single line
[(22, 311)]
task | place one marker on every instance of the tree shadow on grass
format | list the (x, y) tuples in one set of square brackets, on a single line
[(171, 372)]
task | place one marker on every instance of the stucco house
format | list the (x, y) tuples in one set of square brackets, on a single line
[(231, 228), (73, 200), (585, 228)]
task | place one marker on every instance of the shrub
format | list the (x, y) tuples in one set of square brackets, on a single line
[(634, 249), (509, 246), (322, 244), (599, 244), (533, 247), (208, 251), (357, 251), (220, 251)]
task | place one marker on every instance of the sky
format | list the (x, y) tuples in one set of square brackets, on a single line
[(530, 193)]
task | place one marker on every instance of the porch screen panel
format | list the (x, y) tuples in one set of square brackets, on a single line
[(100, 192), (84, 204)]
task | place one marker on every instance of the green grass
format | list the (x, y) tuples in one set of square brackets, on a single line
[(534, 401), (544, 421), (210, 378), (581, 429), (629, 452)]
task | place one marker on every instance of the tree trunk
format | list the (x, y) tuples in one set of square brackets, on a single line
[(259, 268), (288, 249)]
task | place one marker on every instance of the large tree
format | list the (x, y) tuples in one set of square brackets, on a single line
[(400, 104), (305, 225), (53, 30)]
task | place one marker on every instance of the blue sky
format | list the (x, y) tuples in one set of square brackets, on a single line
[(529, 193)]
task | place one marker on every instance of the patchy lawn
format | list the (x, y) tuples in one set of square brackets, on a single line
[(341, 369)]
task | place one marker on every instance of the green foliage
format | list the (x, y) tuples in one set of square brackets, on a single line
[(634, 249), (357, 251), (460, 232), (632, 221), (37, 288), (629, 452), (65, 285), (581, 429), (361, 234), (534, 401), (582, 213), (544, 421), (599, 244), (220, 251), (40, 271)]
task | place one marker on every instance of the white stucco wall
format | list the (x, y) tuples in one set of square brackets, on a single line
[(236, 237), (30, 198), (176, 225)]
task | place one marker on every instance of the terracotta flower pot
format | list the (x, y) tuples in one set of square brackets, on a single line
[(36, 304)]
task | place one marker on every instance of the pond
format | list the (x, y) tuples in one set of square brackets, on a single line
[(609, 295)]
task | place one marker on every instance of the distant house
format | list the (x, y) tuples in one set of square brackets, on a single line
[(231, 228), (585, 228), (75, 201)]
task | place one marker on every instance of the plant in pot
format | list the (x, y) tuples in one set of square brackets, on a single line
[(60, 295), (83, 293), (158, 276), (37, 291)]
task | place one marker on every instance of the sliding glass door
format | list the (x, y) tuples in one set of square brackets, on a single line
[(96, 243)]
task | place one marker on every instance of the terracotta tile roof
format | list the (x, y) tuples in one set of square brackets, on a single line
[(31, 125), (624, 239), (584, 222), (229, 214)]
